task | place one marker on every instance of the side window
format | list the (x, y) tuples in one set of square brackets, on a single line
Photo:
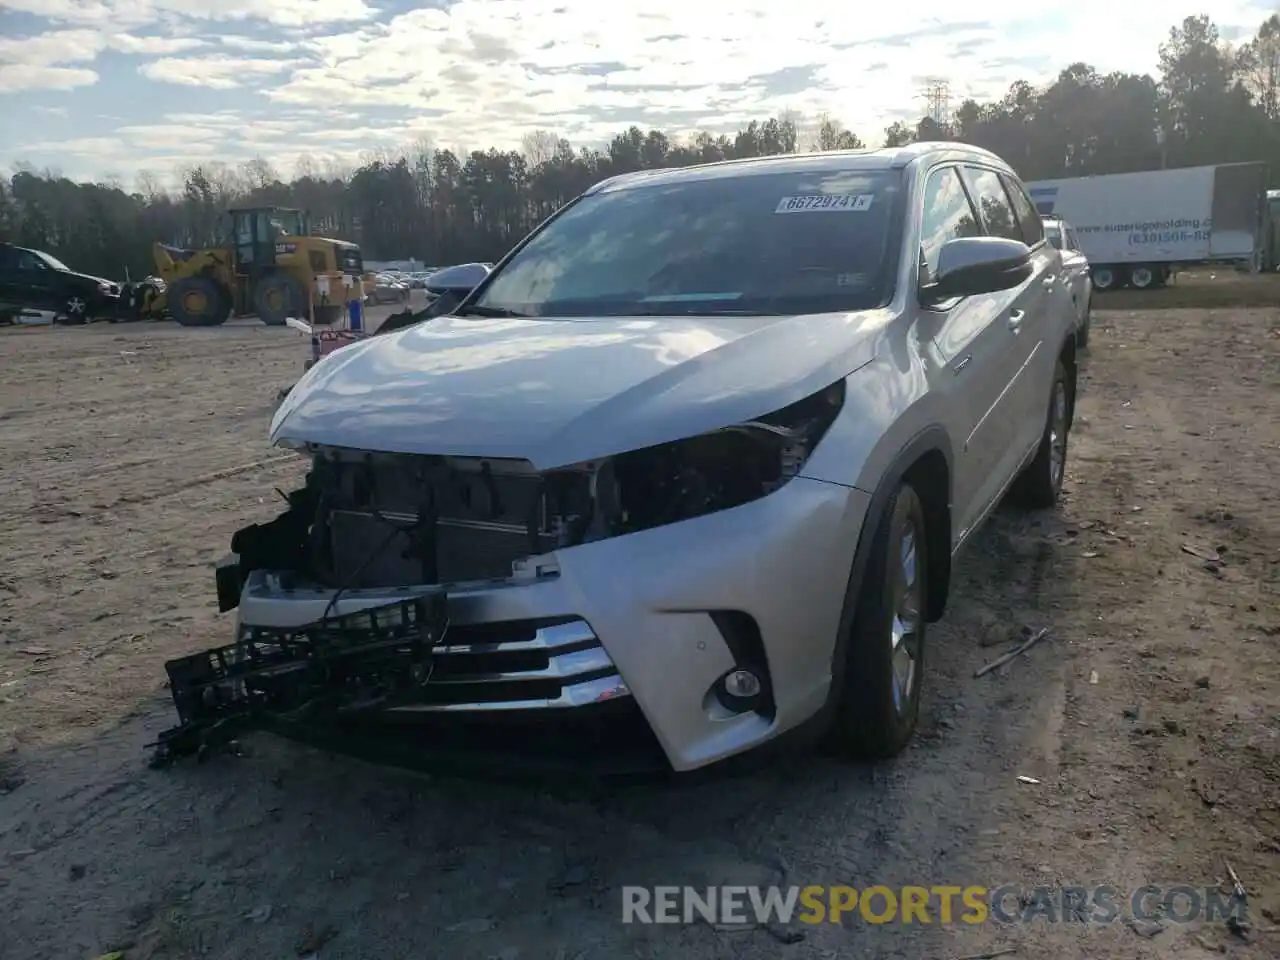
[(1028, 216), (948, 214), (992, 201), (8, 258), (26, 260)]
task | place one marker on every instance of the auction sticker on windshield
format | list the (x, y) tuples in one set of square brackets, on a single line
[(825, 203)]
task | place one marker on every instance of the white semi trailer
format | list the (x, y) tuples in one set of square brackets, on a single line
[(1135, 228)]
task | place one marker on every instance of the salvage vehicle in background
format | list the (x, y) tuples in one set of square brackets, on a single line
[(445, 289), (692, 462), (1075, 274), (386, 288), (35, 280)]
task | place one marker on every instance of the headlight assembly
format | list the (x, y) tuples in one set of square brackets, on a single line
[(689, 478)]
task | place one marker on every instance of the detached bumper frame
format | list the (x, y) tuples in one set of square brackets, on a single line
[(340, 666)]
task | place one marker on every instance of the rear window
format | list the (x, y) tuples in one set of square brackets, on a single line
[(789, 243), (1053, 234)]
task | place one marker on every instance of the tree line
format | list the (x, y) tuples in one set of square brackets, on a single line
[(1210, 103)]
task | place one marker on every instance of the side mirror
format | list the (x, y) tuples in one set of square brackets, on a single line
[(968, 266), (459, 280)]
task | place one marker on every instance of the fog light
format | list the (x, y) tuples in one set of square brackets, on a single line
[(742, 684)]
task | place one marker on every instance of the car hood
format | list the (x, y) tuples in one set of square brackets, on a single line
[(561, 391), (88, 278)]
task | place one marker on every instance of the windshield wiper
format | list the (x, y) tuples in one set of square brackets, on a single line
[(479, 310)]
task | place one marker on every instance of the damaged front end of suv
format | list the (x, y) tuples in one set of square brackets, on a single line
[(427, 584)]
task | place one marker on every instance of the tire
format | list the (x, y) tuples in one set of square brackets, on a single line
[(1142, 277), (1104, 278), (75, 310), (278, 297), (198, 302), (880, 705), (1082, 335), (1040, 483)]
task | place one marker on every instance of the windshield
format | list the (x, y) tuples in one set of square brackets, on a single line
[(796, 242), (288, 222), (52, 261), (1053, 233)]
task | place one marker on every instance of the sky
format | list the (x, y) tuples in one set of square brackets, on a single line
[(100, 89)]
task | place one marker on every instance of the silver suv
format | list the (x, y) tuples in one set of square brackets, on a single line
[(699, 451)]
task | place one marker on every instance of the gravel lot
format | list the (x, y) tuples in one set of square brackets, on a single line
[(1150, 718)]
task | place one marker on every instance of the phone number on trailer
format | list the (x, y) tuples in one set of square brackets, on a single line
[(1168, 236)]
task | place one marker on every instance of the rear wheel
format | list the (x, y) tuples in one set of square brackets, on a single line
[(277, 298), (1142, 278), (198, 302), (1040, 483), (880, 695), (1104, 278)]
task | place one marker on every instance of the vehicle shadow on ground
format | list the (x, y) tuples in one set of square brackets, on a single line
[(252, 854)]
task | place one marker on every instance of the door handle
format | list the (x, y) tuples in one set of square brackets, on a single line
[(1015, 319)]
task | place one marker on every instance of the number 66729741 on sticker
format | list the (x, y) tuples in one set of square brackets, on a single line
[(825, 203)]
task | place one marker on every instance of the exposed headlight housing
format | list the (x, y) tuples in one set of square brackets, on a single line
[(689, 478)]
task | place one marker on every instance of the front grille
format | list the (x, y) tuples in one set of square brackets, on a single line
[(382, 551), (519, 665)]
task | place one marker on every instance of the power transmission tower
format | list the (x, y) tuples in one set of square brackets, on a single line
[(937, 98)]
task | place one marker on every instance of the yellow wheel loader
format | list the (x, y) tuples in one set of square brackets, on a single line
[(273, 268)]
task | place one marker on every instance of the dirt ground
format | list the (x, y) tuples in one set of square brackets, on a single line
[(1149, 719)]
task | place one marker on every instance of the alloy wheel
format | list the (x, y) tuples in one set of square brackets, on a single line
[(1058, 434), (908, 602)]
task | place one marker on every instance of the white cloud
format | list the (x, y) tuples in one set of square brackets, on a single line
[(130, 13), (249, 45), (16, 77), (40, 62), (340, 76), (163, 136), (85, 146), (50, 49), (217, 71), (153, 45)]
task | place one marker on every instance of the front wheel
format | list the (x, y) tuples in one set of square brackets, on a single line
[(1040, 483), (75, 310), (198, 301), (880, 695)]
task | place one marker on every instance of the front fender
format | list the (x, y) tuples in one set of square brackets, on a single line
[(888, 406)]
